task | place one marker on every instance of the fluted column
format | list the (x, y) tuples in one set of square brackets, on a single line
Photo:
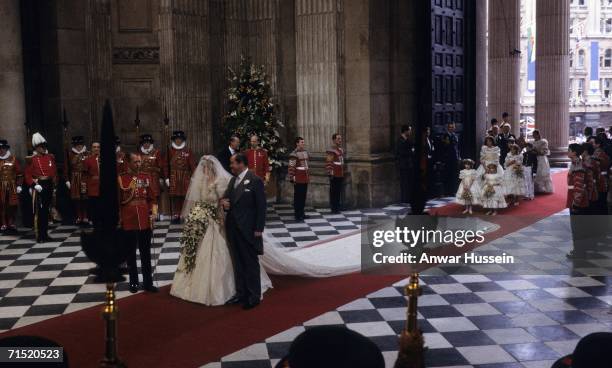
[(184, 69), (552, 75), (100, 65), (12, 99), (504, 63), (481, 70)]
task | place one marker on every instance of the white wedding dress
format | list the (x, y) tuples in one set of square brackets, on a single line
[(211, 282)]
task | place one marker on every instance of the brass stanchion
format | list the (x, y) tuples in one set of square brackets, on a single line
[(412, 345), (110, 312)]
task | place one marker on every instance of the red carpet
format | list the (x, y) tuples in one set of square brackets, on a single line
[(162, 331)]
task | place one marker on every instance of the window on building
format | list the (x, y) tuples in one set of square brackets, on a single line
[(571, 59), (580, 2), (606, 25), (571, 88), (606, 83), (572, 25), (580, 58), (580, 88), (607, 58)]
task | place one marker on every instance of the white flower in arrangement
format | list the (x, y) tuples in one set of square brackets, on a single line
[(280, 124), (246, 182), (233, 114)]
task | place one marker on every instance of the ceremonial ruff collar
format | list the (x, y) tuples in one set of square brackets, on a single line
[(6, 155), (179, 146), (78, 152), (147, 151)]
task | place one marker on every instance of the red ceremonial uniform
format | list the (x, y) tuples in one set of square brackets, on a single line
[(334, 163), (182, 166), (298, 167), (92, 175), (604, 163), (591, 171), (259, 162), (40, 167), (153, 165), (75, 169), (577, 192), (10, 178), (136, 200)]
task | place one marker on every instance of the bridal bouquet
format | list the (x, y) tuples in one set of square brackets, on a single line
[(489, 191), (466, 195), (518, 171), (195, 227)]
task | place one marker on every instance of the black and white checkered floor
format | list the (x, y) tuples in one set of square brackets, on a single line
[(40, 281), (495, 318)]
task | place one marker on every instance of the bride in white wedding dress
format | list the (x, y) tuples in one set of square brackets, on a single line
[(205, 273)]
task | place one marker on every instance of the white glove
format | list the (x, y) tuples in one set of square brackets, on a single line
[(38, 188), (30, 190), (19, 189), (168, 183), (68, 184)]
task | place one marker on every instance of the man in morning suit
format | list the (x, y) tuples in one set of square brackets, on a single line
[(245, 203), (224, 155)]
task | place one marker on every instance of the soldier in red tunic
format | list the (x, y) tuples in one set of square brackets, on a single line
[(92, 178), (121, 166), (578, 201), (602, 177), (41, 177), (334, 165), (591, 167), (152, 165), (258, 159), (178, 172), (300, 177), (136, 217), (11, 179), (76, 183)]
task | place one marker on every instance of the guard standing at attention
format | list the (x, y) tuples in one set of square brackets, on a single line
[(300, 177), (334, 164), (41, 177)]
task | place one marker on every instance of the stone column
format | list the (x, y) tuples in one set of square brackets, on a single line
[(317, 71), (504, 62), (552, 76), (481, 71), (185, 70), (100, 64), (12, 100)]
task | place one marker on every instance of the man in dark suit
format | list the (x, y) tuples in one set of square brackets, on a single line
[(450, 156), (224, 155), (404, 155), (502, 141), (245, 203)]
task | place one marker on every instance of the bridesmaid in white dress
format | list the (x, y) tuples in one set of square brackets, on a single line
[(489, 154), (211, 280), (542, 182)]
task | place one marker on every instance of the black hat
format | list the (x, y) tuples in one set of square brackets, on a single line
[(178, 134), (146, 138), (78, 139), (333, 346), (4, 144)]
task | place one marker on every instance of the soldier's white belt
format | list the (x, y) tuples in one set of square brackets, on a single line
[(337, 163), (604, 173), (570, 187), (301, 168)]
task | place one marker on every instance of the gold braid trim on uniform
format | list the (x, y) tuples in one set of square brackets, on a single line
[(131, 188)]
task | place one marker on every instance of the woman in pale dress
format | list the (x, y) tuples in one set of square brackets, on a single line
[(210, 279), (542, 182), (514, 179)]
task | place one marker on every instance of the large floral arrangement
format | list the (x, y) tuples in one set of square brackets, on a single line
[(195, 227), (250, 111)]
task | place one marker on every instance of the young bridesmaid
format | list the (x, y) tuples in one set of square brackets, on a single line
[(467, 194), (514, 180), (492, 192), (530, 165)]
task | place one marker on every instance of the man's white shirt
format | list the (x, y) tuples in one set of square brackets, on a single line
[(240, 178)]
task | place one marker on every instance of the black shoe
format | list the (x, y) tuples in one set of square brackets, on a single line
[(150, 289), (233, 300), (134, 287), (247, 306), (305, 217)]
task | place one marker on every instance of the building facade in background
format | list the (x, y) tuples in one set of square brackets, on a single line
[(590, 65)]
